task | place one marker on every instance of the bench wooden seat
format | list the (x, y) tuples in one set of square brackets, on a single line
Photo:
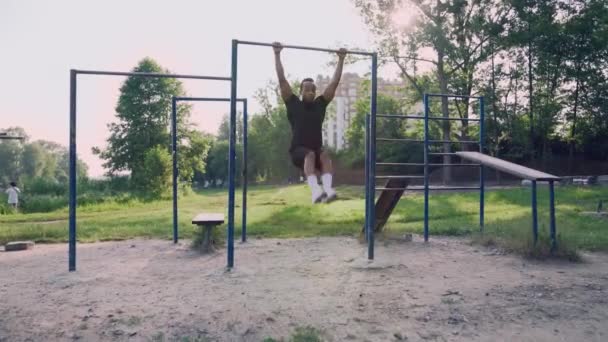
[(207, 221)]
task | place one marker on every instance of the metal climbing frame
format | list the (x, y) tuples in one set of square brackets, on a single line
[(73, 177), (371, 161), (369, 198), (174, 151)]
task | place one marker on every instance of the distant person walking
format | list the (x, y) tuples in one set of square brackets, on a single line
[(13, 195)]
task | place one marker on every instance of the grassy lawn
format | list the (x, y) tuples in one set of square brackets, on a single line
[(286, 212)]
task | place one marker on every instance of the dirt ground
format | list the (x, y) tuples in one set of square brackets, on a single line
[(448, 290)]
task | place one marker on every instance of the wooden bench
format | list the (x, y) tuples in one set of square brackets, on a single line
[(206, 222)]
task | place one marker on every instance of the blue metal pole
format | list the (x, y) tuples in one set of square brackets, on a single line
[(245, 119), (174, 154), (372, 162), (231, 156), (72, 201), (534, 213), (482, 176), (367, 183), (552, 213), (426, 168)]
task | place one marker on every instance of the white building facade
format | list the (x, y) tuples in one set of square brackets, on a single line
[(342, 109)]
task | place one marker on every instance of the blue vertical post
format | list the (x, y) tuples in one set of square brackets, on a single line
[(245, 118), (367, 183), (552, 217), (72, 201), (372, 160), (426, 168), (174, 154), (231, 156), (534, 213), (482, 176)]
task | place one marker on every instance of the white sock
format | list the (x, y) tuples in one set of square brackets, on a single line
[(326, 179), (313, 183)]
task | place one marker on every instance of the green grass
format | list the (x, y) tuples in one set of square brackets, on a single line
[(285, 212)]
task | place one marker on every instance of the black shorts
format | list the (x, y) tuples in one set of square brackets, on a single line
[(298, 154)]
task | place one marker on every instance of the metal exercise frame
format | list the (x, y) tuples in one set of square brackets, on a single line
[(73, 177), (174, 151), (369, 196), (427, 141)]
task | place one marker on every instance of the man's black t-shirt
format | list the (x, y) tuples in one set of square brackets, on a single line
[(306, 121)]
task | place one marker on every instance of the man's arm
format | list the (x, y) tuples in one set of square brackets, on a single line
[(284, 86), (330, 91)]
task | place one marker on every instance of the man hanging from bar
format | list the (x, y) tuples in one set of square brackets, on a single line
[(306, 115)]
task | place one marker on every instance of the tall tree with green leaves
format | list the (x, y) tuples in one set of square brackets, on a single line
[(448, 36), (144, 112)]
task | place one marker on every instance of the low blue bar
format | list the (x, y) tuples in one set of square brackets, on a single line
[(372, 150), (552, 217), (482, 176), (427, 171), (174, 155), (244, 215), (534, 214), (177, 99), (367, 183)]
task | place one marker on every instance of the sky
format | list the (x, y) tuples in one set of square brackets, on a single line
[(40, 41)]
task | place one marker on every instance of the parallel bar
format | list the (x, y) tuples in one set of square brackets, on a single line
[(437, 118), (208, 99), (232, 155), (427, 171), (174, 154), (445, 188), (431, 188), (430, 141), (367, 182), (72, 200), (552, 216), (372, 164), (482, 176), (534, 214), (177, 99), (400, 177), (400, 139), (397, 116), (150, 74), (454, 96), (419, 117), (442, 154), (364, 53), (244, 215), (422, 164)]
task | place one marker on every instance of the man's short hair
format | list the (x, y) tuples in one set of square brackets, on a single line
[(13, 184), (308, 79)]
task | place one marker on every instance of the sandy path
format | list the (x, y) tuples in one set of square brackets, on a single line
[(149, 290)]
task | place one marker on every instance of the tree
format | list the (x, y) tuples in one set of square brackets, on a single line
[(455, 32), (143, 112), (155, 178)]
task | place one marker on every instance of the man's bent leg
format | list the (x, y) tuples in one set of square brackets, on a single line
[(326, 175), (311, 176)]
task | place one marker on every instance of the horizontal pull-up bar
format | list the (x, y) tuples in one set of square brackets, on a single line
[(10, 137), (364, 53), (207, 99), (149, 74)]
